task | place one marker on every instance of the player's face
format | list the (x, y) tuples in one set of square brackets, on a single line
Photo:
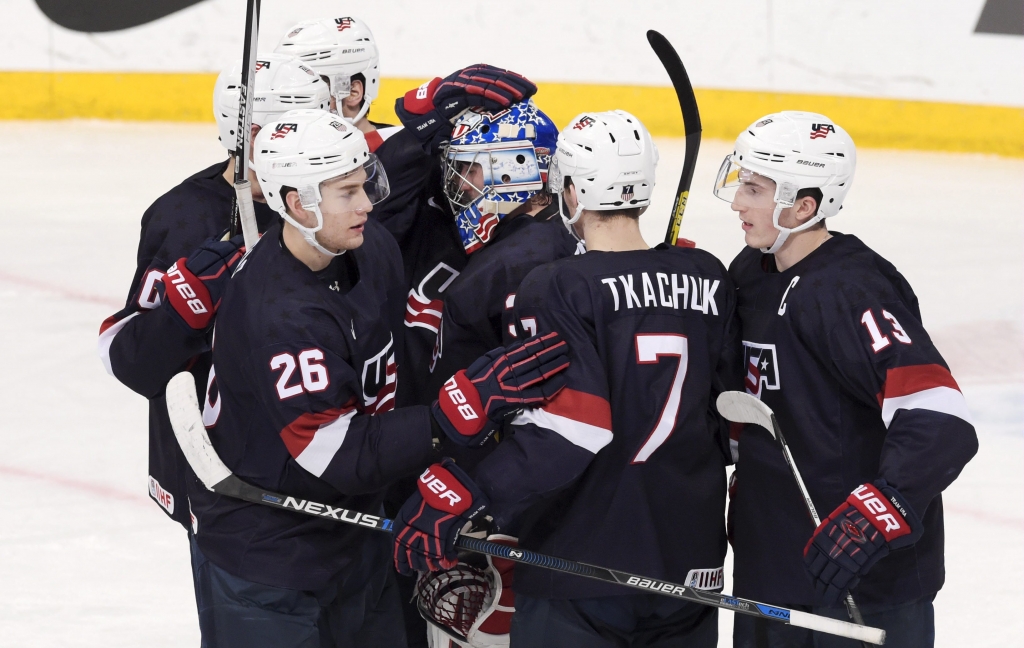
[(755, 203), (344, 206), (471, 176)]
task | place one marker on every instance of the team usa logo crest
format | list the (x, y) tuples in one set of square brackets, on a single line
[(762, 367), (262, 64), (282, 130), (763, 122), (343, 23), (583, 123), (627, 193), (821, 131)]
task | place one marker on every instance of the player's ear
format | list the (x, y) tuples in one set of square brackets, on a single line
[(254, 129), (805, 208), (295, 209)]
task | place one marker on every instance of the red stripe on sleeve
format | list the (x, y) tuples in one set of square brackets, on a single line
[(374, 140), (299, 433), (582, 407), (903, 381)]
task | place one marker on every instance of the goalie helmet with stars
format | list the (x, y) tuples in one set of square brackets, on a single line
[(493, 164)]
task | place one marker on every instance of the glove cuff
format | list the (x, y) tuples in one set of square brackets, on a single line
[(887, 510)]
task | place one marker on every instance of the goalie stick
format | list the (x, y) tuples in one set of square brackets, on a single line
[(187, 421), (741, 407), (691, 123), (244, 213)]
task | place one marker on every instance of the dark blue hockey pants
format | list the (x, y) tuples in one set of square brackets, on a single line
[(629, 621), (234, 612), (910, 625)]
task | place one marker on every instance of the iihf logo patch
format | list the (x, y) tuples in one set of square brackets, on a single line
[(583, 123), (762, 367), (262, 64), (343, 23), (627, 193), (281, 130), (818, 131)]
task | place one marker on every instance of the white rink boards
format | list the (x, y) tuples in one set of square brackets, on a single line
[(87, 560)]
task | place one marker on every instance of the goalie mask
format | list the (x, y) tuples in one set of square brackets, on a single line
[(493, 164), (468, 606), (794, 151)]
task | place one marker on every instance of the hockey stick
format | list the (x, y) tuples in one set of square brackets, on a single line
[(691, 122), (740, 407), (244, 213), (187, 421)]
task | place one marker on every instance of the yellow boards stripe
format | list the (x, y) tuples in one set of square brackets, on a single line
[(882, 123)]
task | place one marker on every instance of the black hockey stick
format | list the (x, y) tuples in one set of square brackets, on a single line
[(691, 123), (243, 214), (740, 407), (187, 421)]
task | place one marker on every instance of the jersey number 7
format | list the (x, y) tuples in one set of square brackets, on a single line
[(652, 348)]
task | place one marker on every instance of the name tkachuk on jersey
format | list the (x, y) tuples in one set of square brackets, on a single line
[(762, 367), (664, 290)]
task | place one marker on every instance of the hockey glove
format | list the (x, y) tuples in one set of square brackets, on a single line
[(430, 521), (472, 404), (430, 110), (194, 286), (874, 520)]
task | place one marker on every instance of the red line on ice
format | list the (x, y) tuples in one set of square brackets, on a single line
[(76, 484), (60, 291)]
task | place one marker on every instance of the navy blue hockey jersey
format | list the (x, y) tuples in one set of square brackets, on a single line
[(625, 468), (835, 346), (433, 256), (303, 404), (478, 306), (141, 345)]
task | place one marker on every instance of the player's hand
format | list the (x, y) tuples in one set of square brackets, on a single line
[(430, 521), (472, 404), (873, 520), (430, 110), (193, 287)]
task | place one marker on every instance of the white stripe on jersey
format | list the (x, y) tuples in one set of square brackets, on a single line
[(589, 437), (938, 399), (325, 444)]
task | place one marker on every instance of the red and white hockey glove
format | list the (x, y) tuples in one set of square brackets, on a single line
[(874, 520), (193, 287), (472, 404), (429, 522), (430, 110)]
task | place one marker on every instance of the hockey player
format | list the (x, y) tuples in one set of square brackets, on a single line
[(152, 338), (433, 251), (344, 52), (833, 343), (495, 170), (626, 466), (303, 403)]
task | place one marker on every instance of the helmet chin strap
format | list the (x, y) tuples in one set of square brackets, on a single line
[(568, 222), (309, 234), (784, 232)]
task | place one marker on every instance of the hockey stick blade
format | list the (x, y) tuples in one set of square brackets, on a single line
[(741, 407), (187, 421), (691, 125)]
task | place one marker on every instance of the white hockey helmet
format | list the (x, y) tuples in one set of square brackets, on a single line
[(303, 149), (611, 160), (339, 49), (796, 150), (281, 83)]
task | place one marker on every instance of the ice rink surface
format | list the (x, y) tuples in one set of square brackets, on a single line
[(86, 559)]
